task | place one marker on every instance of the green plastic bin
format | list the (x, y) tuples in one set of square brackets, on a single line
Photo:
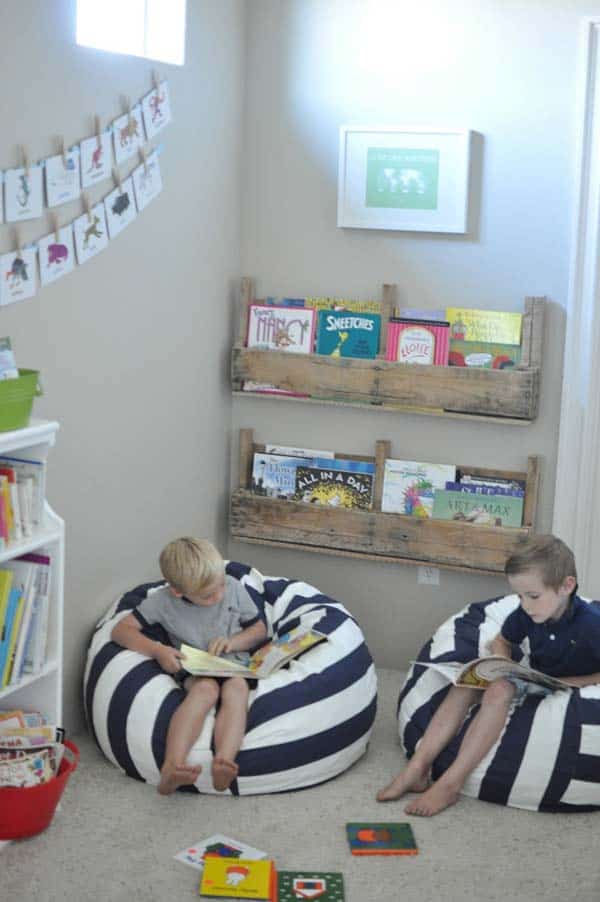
[(16, 399)]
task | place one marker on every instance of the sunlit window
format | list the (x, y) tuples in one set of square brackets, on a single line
[(151, 28)]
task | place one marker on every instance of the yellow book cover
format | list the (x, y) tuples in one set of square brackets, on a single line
[(10, 520), (344, 304), (497, 326), (237, 878), (12, 642), (5, 584)]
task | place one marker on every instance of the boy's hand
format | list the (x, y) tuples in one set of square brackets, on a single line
[(220, 645), (169, 658)]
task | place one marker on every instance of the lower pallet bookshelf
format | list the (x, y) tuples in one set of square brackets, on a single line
[(374, 535)]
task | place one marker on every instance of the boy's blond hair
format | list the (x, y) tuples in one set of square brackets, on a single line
[(548, 555), (190, 565)]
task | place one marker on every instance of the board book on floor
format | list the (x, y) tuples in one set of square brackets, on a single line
[(217, 845), (327, 886), (381, 839), (239, 878)]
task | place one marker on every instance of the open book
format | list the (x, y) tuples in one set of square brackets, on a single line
[(265, 661), (479, 673)]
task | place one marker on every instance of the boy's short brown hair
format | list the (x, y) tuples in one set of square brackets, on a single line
[(548, 555), (190, 565)]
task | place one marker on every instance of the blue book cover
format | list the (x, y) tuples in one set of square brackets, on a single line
[(5, 635), (480, 489), (343, 333)]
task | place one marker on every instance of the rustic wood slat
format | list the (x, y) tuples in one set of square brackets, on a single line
[(383, 450), (246, 457), (387, 308)]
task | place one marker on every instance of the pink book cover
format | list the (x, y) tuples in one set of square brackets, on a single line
[(416, 341)]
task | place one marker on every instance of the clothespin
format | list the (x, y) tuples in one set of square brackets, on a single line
[(155, 80), (25, 160), (54, 221), (117, 178), (86, 205), (144, 159), (127, 104), (62, 151), (97, 129)]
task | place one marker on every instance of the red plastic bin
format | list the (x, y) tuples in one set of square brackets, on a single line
[(27, 810)]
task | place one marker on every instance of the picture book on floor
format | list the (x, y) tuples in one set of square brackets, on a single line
[(409, 486), (381, 839), (327, 886), (480, 672), (218, 845), (265, 661), (239, 878)]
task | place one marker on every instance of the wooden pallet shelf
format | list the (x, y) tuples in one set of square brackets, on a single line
[(502, 395), (375, 535)]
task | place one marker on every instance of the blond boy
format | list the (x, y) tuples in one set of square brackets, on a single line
[(563, 633), (204, 607)]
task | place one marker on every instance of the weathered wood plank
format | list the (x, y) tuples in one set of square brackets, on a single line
[(394, 536), (510, 393)]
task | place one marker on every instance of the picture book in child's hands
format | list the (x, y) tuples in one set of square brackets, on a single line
[(327, 886), (480, 672), (220, 846), (239, 878), (381, 839), (265, 661)]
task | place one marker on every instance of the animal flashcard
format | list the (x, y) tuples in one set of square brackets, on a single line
[(18, 276), (56, 256), (91, 233), (120, 208), (23, 193), (128, 134), (147, 181), (96, 158), (63, 182), (156, 109)]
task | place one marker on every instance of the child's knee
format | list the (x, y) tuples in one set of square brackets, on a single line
[(205, 689), (236, 686), (500, 692)]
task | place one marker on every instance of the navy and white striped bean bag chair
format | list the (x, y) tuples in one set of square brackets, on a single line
[(307, 722), (547, 758)]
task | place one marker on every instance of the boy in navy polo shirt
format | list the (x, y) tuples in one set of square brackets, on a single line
[(563, 634)]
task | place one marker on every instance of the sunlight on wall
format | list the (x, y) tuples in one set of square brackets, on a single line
[(150, 28)]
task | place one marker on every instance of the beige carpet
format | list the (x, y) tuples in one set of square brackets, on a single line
[(114, 839)]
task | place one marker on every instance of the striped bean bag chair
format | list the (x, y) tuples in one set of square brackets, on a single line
[(307, 722), (547, 758)]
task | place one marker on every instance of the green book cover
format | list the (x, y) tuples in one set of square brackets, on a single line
[(485, 510), (328, 886), (381, 839), (483, 354)]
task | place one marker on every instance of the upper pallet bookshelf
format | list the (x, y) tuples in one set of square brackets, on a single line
[(504, 396)]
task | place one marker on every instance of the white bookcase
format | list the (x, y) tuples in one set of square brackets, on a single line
[(42, 691)]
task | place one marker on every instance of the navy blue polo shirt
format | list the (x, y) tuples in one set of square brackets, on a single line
[(569, 646)]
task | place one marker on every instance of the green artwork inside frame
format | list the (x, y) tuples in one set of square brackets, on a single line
[(403, 178)]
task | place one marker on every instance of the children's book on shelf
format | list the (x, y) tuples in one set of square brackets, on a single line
[(262, 663), (484, 510), (409, 486), (484, 355), (274, 475), (281, 328), (336, 483), (496, 482), (480, 672), (297, 452), (417, 341), (239, 878), (344, 333), (217, 845), (266, 388), (8, 365), (344, 304), (30, 475), (12, 621), (381, 839), (475, 488), (419, 313), (327, 886), (494, 326)]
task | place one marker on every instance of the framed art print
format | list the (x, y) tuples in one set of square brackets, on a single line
[(404, 179)]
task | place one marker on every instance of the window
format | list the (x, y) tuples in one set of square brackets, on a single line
[(151, 28)]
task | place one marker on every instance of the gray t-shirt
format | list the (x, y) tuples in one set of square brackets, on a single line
[(197, 624)]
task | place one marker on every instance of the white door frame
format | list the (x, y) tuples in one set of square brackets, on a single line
[(577, 499)]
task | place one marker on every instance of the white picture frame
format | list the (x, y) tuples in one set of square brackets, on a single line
[(423, 188)]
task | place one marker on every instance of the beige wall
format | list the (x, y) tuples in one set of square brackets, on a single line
[(132, 346), (505, 70)]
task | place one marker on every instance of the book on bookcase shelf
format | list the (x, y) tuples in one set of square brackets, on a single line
[(417, 341), (29, 476), (281, 328), (409, 486), (340, 483), (484, 510), (239, 878), (274, 475), (23, 616), (344, 333), (351, 304), (488, 339)]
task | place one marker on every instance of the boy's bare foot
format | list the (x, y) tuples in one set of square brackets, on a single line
[(437, 797), (173, 777), (411, 779), (224, 773)]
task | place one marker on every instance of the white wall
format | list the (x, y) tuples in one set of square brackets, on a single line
[(132, 347), (507, 70)]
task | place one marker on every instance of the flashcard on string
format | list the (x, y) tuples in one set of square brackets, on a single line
[(157, 110), (63, 182), (147, 181), (18, 276), (96, 159), (128, 134), (23, 193), (120, 207), (56, 254), (91, 235)]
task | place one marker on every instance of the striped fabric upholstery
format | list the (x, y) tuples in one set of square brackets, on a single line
[(307, 722), (547, 758)]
